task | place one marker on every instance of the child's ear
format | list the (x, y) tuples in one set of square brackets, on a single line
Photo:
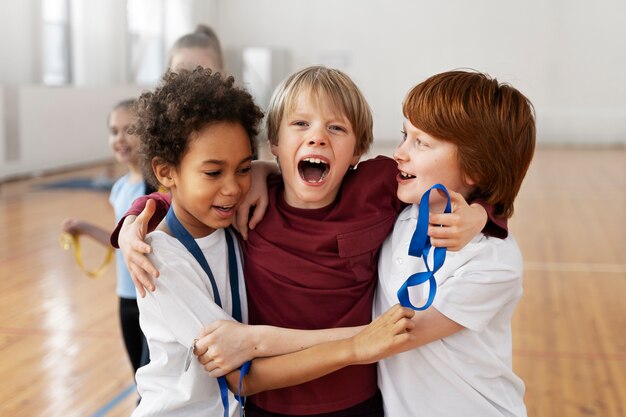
[(163, 172), (470, 179), (274, 149)]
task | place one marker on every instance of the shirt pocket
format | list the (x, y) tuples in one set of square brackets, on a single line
[(361, 248)]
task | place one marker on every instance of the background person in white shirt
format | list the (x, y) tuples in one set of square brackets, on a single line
[(476, 137)]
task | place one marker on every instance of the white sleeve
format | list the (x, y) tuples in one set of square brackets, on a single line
[(475, 292), (183, 300)]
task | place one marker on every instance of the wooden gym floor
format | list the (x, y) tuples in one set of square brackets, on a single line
[(61, 352)]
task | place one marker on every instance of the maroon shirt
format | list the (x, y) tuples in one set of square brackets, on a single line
[(317, 269)]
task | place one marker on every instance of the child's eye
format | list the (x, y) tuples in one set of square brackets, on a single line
[(212, 174), (420, 143), (300, 123), (403, 135), (245, 170), (338, 128)]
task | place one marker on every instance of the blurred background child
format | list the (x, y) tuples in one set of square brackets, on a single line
[(125, 147), (198, 48)]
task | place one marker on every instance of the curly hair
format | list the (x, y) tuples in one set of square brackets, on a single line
[(186, 102)]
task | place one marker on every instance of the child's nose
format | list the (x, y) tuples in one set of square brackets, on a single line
[(399, 154), (318, 137), (231, 186)]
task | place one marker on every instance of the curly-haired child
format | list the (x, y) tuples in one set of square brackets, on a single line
[(197, 134)]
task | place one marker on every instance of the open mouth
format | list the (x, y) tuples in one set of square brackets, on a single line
[(224, 209), (406, 176), (313, 170)]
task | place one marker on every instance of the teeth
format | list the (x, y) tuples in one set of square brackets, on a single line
[(314, 161), (405, 175)]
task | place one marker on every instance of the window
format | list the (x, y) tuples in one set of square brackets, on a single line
[(146, 41), (153, 26), (56, 42)]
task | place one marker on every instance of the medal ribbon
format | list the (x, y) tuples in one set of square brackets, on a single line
[(180, 233), (420, 247), (68, 241)]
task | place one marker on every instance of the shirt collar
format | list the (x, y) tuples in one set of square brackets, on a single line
[(409, 213)]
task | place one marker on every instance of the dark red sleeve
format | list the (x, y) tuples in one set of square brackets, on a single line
[(163, 202), (496, 226)]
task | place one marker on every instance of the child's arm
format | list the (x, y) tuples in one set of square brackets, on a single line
[(223, 346), (389, 334), (131, 242), (77, 227), (376, 341)]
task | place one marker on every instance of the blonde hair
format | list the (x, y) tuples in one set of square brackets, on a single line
[(321, 82)]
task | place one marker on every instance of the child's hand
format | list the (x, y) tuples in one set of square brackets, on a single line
[(257, 197), (455, 230), (72, 226), (385, 336), (133, 249), (223, 346)]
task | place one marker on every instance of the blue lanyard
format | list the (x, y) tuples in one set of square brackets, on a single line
[(420, 246), (180, 233)]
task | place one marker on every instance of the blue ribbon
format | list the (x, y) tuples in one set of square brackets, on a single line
[(420, 247), (245, 368), (180, 233)]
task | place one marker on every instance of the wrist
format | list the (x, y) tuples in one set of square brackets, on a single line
[(257, 337), (349, 352)]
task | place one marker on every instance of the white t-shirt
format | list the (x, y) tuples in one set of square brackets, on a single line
[(172, 316), (468, 373)]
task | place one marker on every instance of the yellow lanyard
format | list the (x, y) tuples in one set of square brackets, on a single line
[(67, 241)]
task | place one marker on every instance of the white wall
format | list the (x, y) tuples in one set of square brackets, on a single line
[(98, 39), (569, 57), (19, 41), (61, 127)]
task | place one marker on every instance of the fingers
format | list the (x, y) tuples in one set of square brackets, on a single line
[(241, 220), (140, 246), (436, 220), (456, 199), (200, 348), (216, 372), (138, 286), (147, 212), (141, 279), (258, 213), (214, 367), (207, 360)]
